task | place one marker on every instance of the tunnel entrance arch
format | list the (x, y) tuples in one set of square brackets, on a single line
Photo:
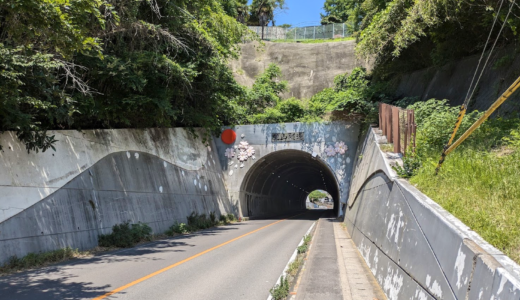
[(280, 182)]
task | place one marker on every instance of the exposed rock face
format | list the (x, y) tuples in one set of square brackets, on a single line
[(309, 68)]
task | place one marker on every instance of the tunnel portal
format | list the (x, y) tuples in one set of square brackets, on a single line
[(280, 182)]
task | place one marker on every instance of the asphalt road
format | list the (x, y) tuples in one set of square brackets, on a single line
[(245, 267)]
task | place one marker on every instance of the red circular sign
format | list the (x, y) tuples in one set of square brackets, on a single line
[(228, 136)]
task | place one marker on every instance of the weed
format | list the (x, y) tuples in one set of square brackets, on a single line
[(294, 266), (178, 228), (33, 260), (305, 246), (196, 221), (387, 147), (126, 235), (280, 291), (411, 163), (231, 217)]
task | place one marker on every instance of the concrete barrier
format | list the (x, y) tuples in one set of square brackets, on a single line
[(414, 248), (99, 178)]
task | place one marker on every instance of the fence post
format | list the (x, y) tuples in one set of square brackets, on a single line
[(333, 30), (395, 130), (305, 33), (314, 34), (343, 29), (295, 29)]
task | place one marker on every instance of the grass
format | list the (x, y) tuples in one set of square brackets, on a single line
[(482, 189), (479, 183), (387, 147), (34, 260), (317, 41)]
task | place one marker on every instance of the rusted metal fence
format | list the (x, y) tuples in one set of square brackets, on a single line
[(398, 125)]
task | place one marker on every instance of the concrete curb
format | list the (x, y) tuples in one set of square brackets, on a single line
[(293, 257)]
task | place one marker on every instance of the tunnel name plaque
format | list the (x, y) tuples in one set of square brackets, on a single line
[(287, 137)]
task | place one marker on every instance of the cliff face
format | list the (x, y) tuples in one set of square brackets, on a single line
[(309, 68)]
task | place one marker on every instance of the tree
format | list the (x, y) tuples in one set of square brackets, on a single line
[(343, 11), (316, 195), (262, 12), (111, 64)]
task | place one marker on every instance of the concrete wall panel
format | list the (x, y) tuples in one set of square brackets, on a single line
[(430, 246)]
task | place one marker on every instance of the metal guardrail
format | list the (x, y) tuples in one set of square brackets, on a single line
[(330, 31), (398, 125)]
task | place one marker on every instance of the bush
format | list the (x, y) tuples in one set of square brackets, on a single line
[(280, 291), (196, 221), (125, 235), (179, 228), (231, 217), (435, 122)]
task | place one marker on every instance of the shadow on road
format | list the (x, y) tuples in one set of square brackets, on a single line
[(57, 282)]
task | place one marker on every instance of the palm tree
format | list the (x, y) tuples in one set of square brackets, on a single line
[(262, 12)]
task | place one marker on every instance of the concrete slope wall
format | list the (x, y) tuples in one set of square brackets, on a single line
[(416, 249), (452, 81), (172, 176), (308, 68)]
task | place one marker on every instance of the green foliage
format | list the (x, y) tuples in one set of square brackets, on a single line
[(178, 228), (303, 248), (352, 93), (231, 217), (478, 181), (33, 260), (280, 291), (342, 11), (294, 266), (411, 164), (435, 122), (99, 64), (402, 36), (266, 8), (126, 235), (196, 221), (317, 195)]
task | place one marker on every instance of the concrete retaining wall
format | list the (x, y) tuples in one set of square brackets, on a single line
[(416, 249), (452, 81), (99, 178), (308, 68)]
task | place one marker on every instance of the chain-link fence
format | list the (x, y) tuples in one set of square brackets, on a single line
[(330, 31)]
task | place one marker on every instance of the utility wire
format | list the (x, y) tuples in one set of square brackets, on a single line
[(482, 55), (494, 44)]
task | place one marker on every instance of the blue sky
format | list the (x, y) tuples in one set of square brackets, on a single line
[(300, 13)]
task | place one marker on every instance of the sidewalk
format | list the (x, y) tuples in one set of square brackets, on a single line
[(334, 269)]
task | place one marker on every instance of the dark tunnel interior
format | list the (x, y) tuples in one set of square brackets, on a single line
[(280, 182)]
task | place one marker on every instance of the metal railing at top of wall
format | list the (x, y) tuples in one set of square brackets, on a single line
[(330, 31), (398, 125)]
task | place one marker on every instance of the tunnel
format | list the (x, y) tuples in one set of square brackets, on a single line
[(280, 182)]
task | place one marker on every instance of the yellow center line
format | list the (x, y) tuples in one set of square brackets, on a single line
[(124, 287)]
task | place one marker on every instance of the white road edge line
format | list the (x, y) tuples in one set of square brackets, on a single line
[(293, 258)]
